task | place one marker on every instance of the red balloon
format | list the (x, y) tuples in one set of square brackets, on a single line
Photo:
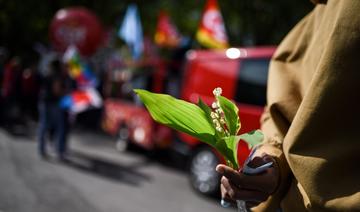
[(76, 26)]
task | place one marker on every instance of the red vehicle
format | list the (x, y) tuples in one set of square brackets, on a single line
[(242, 75), (124, 116)]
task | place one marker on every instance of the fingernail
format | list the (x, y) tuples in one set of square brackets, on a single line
[(220, 169)]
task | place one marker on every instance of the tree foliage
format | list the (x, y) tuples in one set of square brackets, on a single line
[(255, 22)]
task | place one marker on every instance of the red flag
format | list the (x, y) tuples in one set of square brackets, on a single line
[(211, 32), (166, 34)]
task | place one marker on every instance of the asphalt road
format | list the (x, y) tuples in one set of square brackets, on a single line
[(97, 179)]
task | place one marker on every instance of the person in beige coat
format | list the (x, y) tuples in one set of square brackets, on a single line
[(312, 119)]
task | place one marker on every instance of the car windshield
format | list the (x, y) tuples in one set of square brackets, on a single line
[(252, 80), (124, 81)]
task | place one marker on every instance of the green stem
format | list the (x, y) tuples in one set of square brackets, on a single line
[(228, 163)]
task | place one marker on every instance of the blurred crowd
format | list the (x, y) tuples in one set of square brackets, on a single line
[(26, 83), (32, 89), (20, 83)]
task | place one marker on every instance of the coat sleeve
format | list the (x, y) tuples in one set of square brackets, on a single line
[(272, 145), (284, 95)]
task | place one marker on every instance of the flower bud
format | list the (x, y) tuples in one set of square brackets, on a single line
[(217, 91), (213, 115), (222, 121), (214, 105)]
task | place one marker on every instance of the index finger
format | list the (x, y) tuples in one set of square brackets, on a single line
[(228, 172), (261, 182)]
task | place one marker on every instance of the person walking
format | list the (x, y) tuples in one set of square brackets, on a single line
[(52, 118)]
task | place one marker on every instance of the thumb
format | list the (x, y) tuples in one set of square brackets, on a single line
[(220, 168)]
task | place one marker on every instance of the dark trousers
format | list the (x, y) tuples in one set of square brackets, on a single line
[(52, 118)]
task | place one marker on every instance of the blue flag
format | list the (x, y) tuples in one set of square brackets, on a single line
[(131, 31)]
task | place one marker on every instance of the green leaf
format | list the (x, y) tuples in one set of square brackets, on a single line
[(206, 110), (179, 115), (228, 148), (252, 138), (231, 114)]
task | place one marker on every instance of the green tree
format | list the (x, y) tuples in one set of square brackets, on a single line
[(248, 22)]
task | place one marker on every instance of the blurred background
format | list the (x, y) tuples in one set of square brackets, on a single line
[(74, 136)]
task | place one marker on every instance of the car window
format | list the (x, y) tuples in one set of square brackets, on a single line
[(142, 78), (124, 81), (252, 80)]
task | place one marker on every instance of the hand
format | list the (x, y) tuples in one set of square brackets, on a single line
[(253, 189)]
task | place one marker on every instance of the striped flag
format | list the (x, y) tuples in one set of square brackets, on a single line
[(86, 96), (78, 70), (211, 32)]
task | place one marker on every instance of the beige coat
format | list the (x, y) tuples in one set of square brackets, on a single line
[(312, 121)]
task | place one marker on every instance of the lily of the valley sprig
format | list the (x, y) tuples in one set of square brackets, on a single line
[(217, 126), (217, 115)]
